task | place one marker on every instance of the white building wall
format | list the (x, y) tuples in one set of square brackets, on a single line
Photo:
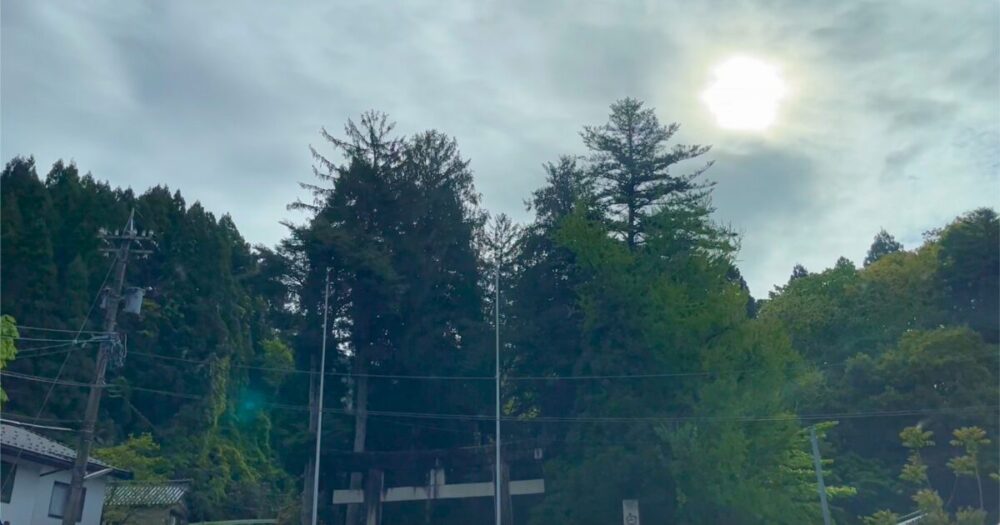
[(23, 495), (29, 501)]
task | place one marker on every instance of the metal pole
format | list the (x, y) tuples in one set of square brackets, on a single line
[(319, 405), (497, 478), (819, 476)]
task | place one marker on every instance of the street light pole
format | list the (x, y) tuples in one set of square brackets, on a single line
[(497, 476), (319, 405)]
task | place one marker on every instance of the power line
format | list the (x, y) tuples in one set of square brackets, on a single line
[(32, 425), (50, 340), (586, 419), (142, 416), (669, 419), (32, 351), (538, 419), (804, 366), (60, 330), (427, 427), (164, 392), (27, 352), (480, 378), (311, 372), (706, 373), (50, 419), (43, 354), (760, 418), (172, 358), (464, 378), (40, 379), (22, 351), (613, 419)]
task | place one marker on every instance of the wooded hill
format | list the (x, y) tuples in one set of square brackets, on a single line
[(630, 341)]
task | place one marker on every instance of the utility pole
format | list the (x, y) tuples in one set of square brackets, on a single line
[(817, 464), (122, 247), (319, 409), (497, 479)]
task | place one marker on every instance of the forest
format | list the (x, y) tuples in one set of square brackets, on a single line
[(630, 344)]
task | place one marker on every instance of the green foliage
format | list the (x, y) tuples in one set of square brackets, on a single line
[(630, 162), (929, 503), (882, 517), (622, 274), (963, 465), (202, 322), (139, 454), (914, 471), (397, 223), (724, 467), (883, 245), (970, 270), (8, 350), (894, 336), (277, 356), (916, 438), (670, 304), (970, 516), (971, 439), (798, 271)]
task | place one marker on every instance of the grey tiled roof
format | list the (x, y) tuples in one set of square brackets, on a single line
[(14, 438), (145, 493), (16, 441)]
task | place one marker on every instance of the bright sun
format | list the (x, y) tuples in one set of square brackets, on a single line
[(744, 94)]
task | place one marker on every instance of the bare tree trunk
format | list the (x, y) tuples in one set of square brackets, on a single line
[(630, 228), (954, 486), (979, 483), (360, 429), (307, 476)]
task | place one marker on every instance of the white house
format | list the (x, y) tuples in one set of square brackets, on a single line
[(35, 479)]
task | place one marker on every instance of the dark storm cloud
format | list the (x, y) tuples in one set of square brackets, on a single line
[(221, 99)]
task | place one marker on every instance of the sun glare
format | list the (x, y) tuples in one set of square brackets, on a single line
[(744, 94)]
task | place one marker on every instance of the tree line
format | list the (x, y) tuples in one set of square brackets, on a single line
[(631, 345)]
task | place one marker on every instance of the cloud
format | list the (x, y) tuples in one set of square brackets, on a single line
[(893, 121), (763, 195), (908, 113)]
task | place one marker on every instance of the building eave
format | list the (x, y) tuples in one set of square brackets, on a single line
[(12, 452)]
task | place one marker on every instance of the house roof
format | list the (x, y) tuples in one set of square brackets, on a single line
[(27, 444), (145, 493)]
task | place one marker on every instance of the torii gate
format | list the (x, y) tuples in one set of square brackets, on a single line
[(434, 462)]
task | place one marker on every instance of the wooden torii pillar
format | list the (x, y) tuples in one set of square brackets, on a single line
[(434, 462)]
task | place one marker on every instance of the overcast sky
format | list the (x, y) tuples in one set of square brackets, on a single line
[(893, 119)]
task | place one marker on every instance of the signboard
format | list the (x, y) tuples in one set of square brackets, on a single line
[(630, 511)]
